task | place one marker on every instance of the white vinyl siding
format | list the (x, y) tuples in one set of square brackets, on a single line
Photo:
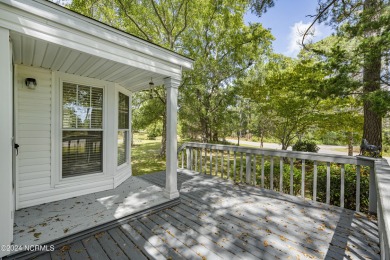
[(38, 169), (33, 109)]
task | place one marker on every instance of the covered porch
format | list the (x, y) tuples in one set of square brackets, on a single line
[(45, 223), (67, 82)]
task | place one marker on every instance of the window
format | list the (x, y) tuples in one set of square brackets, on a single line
[(123, 129), (82, 130)]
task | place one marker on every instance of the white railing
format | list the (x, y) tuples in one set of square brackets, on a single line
[(382, 186), (256, 167)]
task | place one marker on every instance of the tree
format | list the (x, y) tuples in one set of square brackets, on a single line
[(344, 118), (368, 22), (166, 23), (284, 90), (223, 48), (211, 32)]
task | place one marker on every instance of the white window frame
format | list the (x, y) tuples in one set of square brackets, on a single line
[(128, 147), (57, 92)]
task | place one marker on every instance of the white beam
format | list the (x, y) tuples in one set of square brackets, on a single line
[(6, 97), (171, 191)]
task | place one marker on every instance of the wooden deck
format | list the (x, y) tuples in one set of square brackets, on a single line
[(220, 220)]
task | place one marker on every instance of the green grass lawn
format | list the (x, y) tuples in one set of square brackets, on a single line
[(145, 155)]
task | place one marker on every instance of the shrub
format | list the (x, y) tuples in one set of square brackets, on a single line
[(305, 146)]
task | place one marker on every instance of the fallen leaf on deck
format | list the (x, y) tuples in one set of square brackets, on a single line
[(282, 238), (65, 248), (266, 243), (37, 235)]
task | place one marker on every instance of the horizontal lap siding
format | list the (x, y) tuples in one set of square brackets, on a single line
[(33, 133), (121, 175)]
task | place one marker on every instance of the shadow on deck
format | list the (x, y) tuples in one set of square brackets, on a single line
[(218, 219)]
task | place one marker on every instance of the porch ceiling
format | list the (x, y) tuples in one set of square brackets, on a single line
[(34, 52)]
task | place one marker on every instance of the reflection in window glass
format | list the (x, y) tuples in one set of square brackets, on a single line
[(122, 147), (123, 126), (82, 152), (82, 111)]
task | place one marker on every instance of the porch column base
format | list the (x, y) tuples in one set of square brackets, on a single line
[(171, 195)]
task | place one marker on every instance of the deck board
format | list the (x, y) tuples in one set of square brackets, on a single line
[(218, 219), (127, 246), (77, 251), (110, 246), (94, 249)]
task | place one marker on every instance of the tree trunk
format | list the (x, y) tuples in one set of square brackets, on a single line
[(238, 138), (164, 136), (372, 128), (215, 137), (350, 144), (261, 138)]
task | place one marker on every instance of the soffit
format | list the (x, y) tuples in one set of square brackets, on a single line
[(34, 52)]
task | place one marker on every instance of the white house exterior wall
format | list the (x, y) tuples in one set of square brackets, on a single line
[(6, 219), (39, 136)]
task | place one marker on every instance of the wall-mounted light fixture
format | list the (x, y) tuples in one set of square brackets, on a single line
[(31, 83), (151, 84)]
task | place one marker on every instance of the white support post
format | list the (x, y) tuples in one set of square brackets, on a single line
[(6, 149), (171, 191)]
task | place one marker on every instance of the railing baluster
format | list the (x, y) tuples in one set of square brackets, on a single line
[(303, 179), (211, 162), (262, 171), (234, 166), (182, 159), (216, 163), (196, 160), (228, 165), (241, 168), (271, 185), (201, 160), (254, 170), (315, 182), (192, 158), (205, 160), (222, 153), (292, 176), (372, 196), (188, 158), (281, 174), (328, 183), (342, 188), (357, 187), (248, 168)]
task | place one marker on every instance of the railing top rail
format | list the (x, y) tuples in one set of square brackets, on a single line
[(344, 159)]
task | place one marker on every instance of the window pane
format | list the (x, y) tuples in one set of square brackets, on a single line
[(82, 152), (84, 96), (97, 98), (69, 104), (123, 112), (97, 117), (122, 147)]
